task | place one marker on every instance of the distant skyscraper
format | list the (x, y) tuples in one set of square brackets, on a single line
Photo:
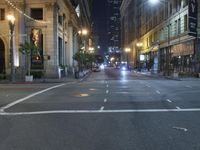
[(114, 24)]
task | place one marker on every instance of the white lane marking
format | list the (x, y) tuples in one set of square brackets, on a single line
[(188, 86), (29, 96), (99, 111), (121, 92), (107, 91), (169, 100), (102, 108), (180, 128), (158, 92), (107, 85), (148, 86), (178, 108), (105, 100)]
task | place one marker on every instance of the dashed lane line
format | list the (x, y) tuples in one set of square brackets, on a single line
[(102, 107), (158, 92), (169, 100), (188, 86)]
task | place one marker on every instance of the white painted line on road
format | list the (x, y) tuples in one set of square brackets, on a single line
[(105, 100), (99, 111), (102, 108), (148, 86), (158, 92), (107, 91), (188, 86), (169, 100), (180, 128), (29, 96), (121, 92), (178, 108), (107, 85)]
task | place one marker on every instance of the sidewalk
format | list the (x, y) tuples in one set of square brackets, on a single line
[(68, 78), (157, 75)]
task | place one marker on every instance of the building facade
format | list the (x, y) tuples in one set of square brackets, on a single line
[(114, 23), (52, 25), (163, 36)]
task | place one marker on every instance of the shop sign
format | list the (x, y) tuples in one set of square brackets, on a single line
[(192, 20)]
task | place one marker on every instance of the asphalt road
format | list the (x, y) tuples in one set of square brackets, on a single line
[(109, 110)]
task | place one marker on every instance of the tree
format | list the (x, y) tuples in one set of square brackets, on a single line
[(83, 58), (28, 49)]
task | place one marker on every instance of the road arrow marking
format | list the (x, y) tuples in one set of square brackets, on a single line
[(180, 128)]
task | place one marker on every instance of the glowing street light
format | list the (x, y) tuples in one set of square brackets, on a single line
[(153, 2), (127, 50), (83, 32), (139, 44), (11, 21)]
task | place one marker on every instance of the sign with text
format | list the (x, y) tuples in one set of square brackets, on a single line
[(192, 17)]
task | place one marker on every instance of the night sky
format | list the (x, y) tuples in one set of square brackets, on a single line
[(99, 12)]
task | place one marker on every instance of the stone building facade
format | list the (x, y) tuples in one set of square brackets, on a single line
[(165, 34), (53, 25)]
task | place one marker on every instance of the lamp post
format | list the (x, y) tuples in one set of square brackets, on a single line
[(168, 51), (138, 45), (127, 50), (11, 21), (83, 33)]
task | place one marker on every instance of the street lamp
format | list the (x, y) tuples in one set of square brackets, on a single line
[(138, 45), (153, 2), (168, 51), (11, 21), (83, 33), (127, 50)]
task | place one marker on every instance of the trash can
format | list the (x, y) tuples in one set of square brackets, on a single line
[(76, 74)]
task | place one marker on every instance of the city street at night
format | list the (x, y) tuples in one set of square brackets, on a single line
[(111, 109), (99, 75)]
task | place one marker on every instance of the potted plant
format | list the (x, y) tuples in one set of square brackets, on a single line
[(28, 49)]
